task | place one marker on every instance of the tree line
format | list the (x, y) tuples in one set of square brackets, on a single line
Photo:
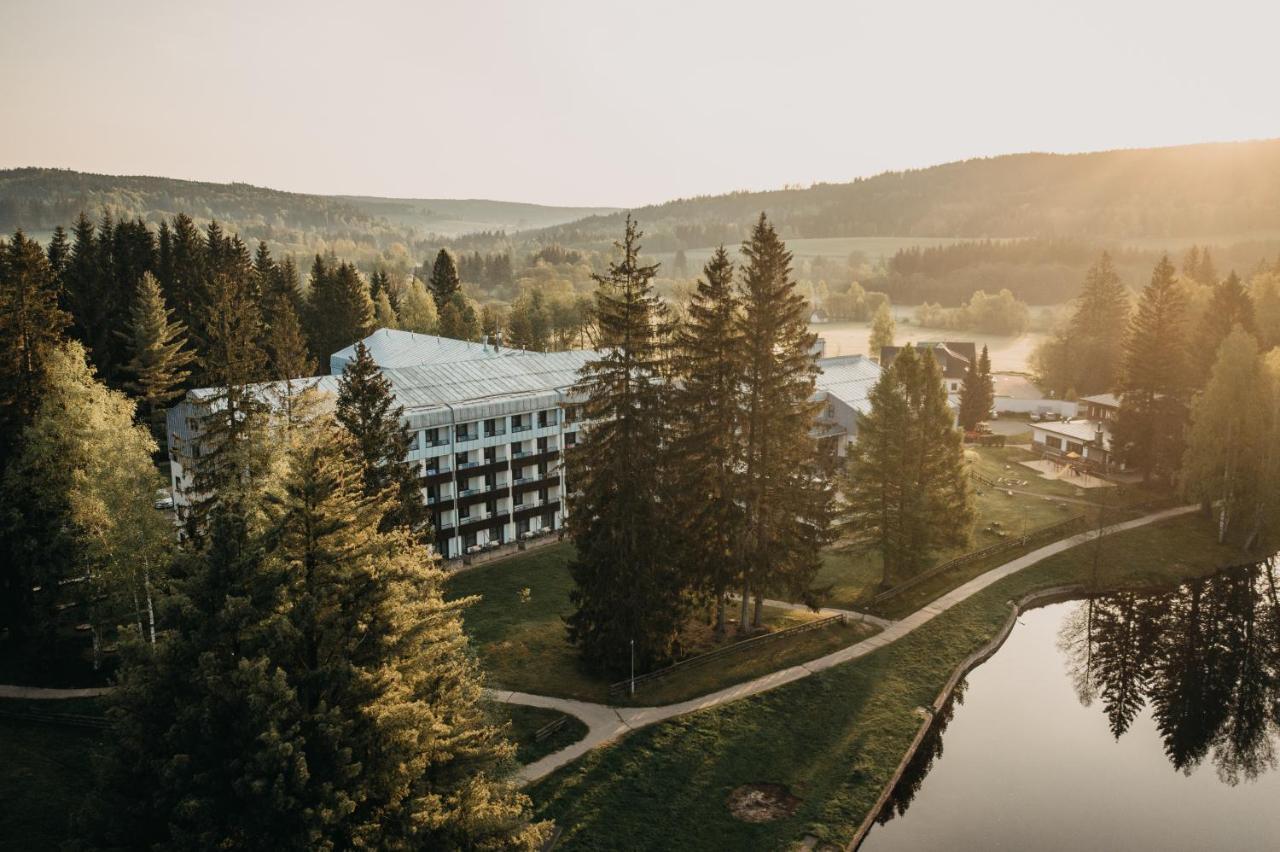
[(699, 476), (1192, 361)]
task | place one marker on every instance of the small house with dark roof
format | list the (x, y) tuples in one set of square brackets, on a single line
[(953, 357), (1101, 407)]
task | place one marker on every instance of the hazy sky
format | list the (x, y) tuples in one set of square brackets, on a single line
[(601, 102)]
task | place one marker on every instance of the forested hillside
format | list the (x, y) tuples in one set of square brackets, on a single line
[(38, 200), (1211, 191)]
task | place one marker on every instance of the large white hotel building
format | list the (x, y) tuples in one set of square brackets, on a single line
[(489, 427)]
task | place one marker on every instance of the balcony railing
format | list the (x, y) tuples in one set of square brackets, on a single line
[(465, 465), (522, 428)]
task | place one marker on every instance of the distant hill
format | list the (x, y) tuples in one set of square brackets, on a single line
[(1218, 191), (40, 199)]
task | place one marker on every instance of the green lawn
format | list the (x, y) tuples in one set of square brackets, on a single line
[(833, 739), (853, 576), (521, 640), (45, 772), (526, 721)]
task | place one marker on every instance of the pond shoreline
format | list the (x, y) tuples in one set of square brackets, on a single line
[(1029, 601)]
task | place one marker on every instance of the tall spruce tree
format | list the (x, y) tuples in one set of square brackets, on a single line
[(284, 339), (986, 383), (444, 281), (1096, 332), (972, 397), (1156, 379), (315, 691), (906, 485), (1230, 306), (706, 449), (229, 461), (627, 587), (785, 488), (340, 309), (31, 325), (367, 409), (158, 354)]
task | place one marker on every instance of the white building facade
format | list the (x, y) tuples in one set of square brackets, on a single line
[(489, 428)]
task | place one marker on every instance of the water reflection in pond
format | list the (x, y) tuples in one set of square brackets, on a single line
[(1126, 722)]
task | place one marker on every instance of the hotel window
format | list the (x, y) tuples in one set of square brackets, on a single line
[(415, 440)]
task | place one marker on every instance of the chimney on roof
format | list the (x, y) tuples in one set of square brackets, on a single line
[(497, 341)]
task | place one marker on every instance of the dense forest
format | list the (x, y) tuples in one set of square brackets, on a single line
[(360, 228), (1193, 191)]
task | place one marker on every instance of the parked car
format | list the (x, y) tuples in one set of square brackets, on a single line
[(164, 500)]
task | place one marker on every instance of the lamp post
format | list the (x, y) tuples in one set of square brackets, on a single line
[(632, 690)]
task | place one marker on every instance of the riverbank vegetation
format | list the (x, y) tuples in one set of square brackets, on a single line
[(856, 723)]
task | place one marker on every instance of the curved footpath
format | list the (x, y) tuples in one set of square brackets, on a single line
[(606, 723)]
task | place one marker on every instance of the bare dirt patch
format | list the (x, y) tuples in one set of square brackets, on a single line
[(762, 802)]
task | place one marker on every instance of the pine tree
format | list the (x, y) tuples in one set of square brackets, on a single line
[(384, 316), (445, 283), (315, 692), (183, 278), (785, 491), (986, 383), (972, 397), (284, 338), (231, 462), (31, 325), (1229, 436), (1095, 335), (367, 409), (906, 485), (706, 451), (1230, 306), (158, 357), (627, 588), (882, 329), (58, 252), (1155, 383), (340, 309), (418, 310), (459, 320)]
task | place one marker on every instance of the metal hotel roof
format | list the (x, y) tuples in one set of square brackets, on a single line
[(519, 374), (394, 348), (849, 379)]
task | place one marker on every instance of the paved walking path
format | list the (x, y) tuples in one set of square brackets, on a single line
[(40, 692), (606, 723)]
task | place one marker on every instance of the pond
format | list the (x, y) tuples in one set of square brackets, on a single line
[(1125, 722)]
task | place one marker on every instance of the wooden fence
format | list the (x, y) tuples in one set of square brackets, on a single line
[(624, 686)]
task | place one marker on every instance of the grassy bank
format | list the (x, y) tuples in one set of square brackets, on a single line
[(527, 721), (520, 637), (832, 739), (850, 578), (45, 772)]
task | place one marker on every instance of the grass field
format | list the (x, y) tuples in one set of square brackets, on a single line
[(852, 577), (45, 772), (833, 739), (521, 642), (525, 723)]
